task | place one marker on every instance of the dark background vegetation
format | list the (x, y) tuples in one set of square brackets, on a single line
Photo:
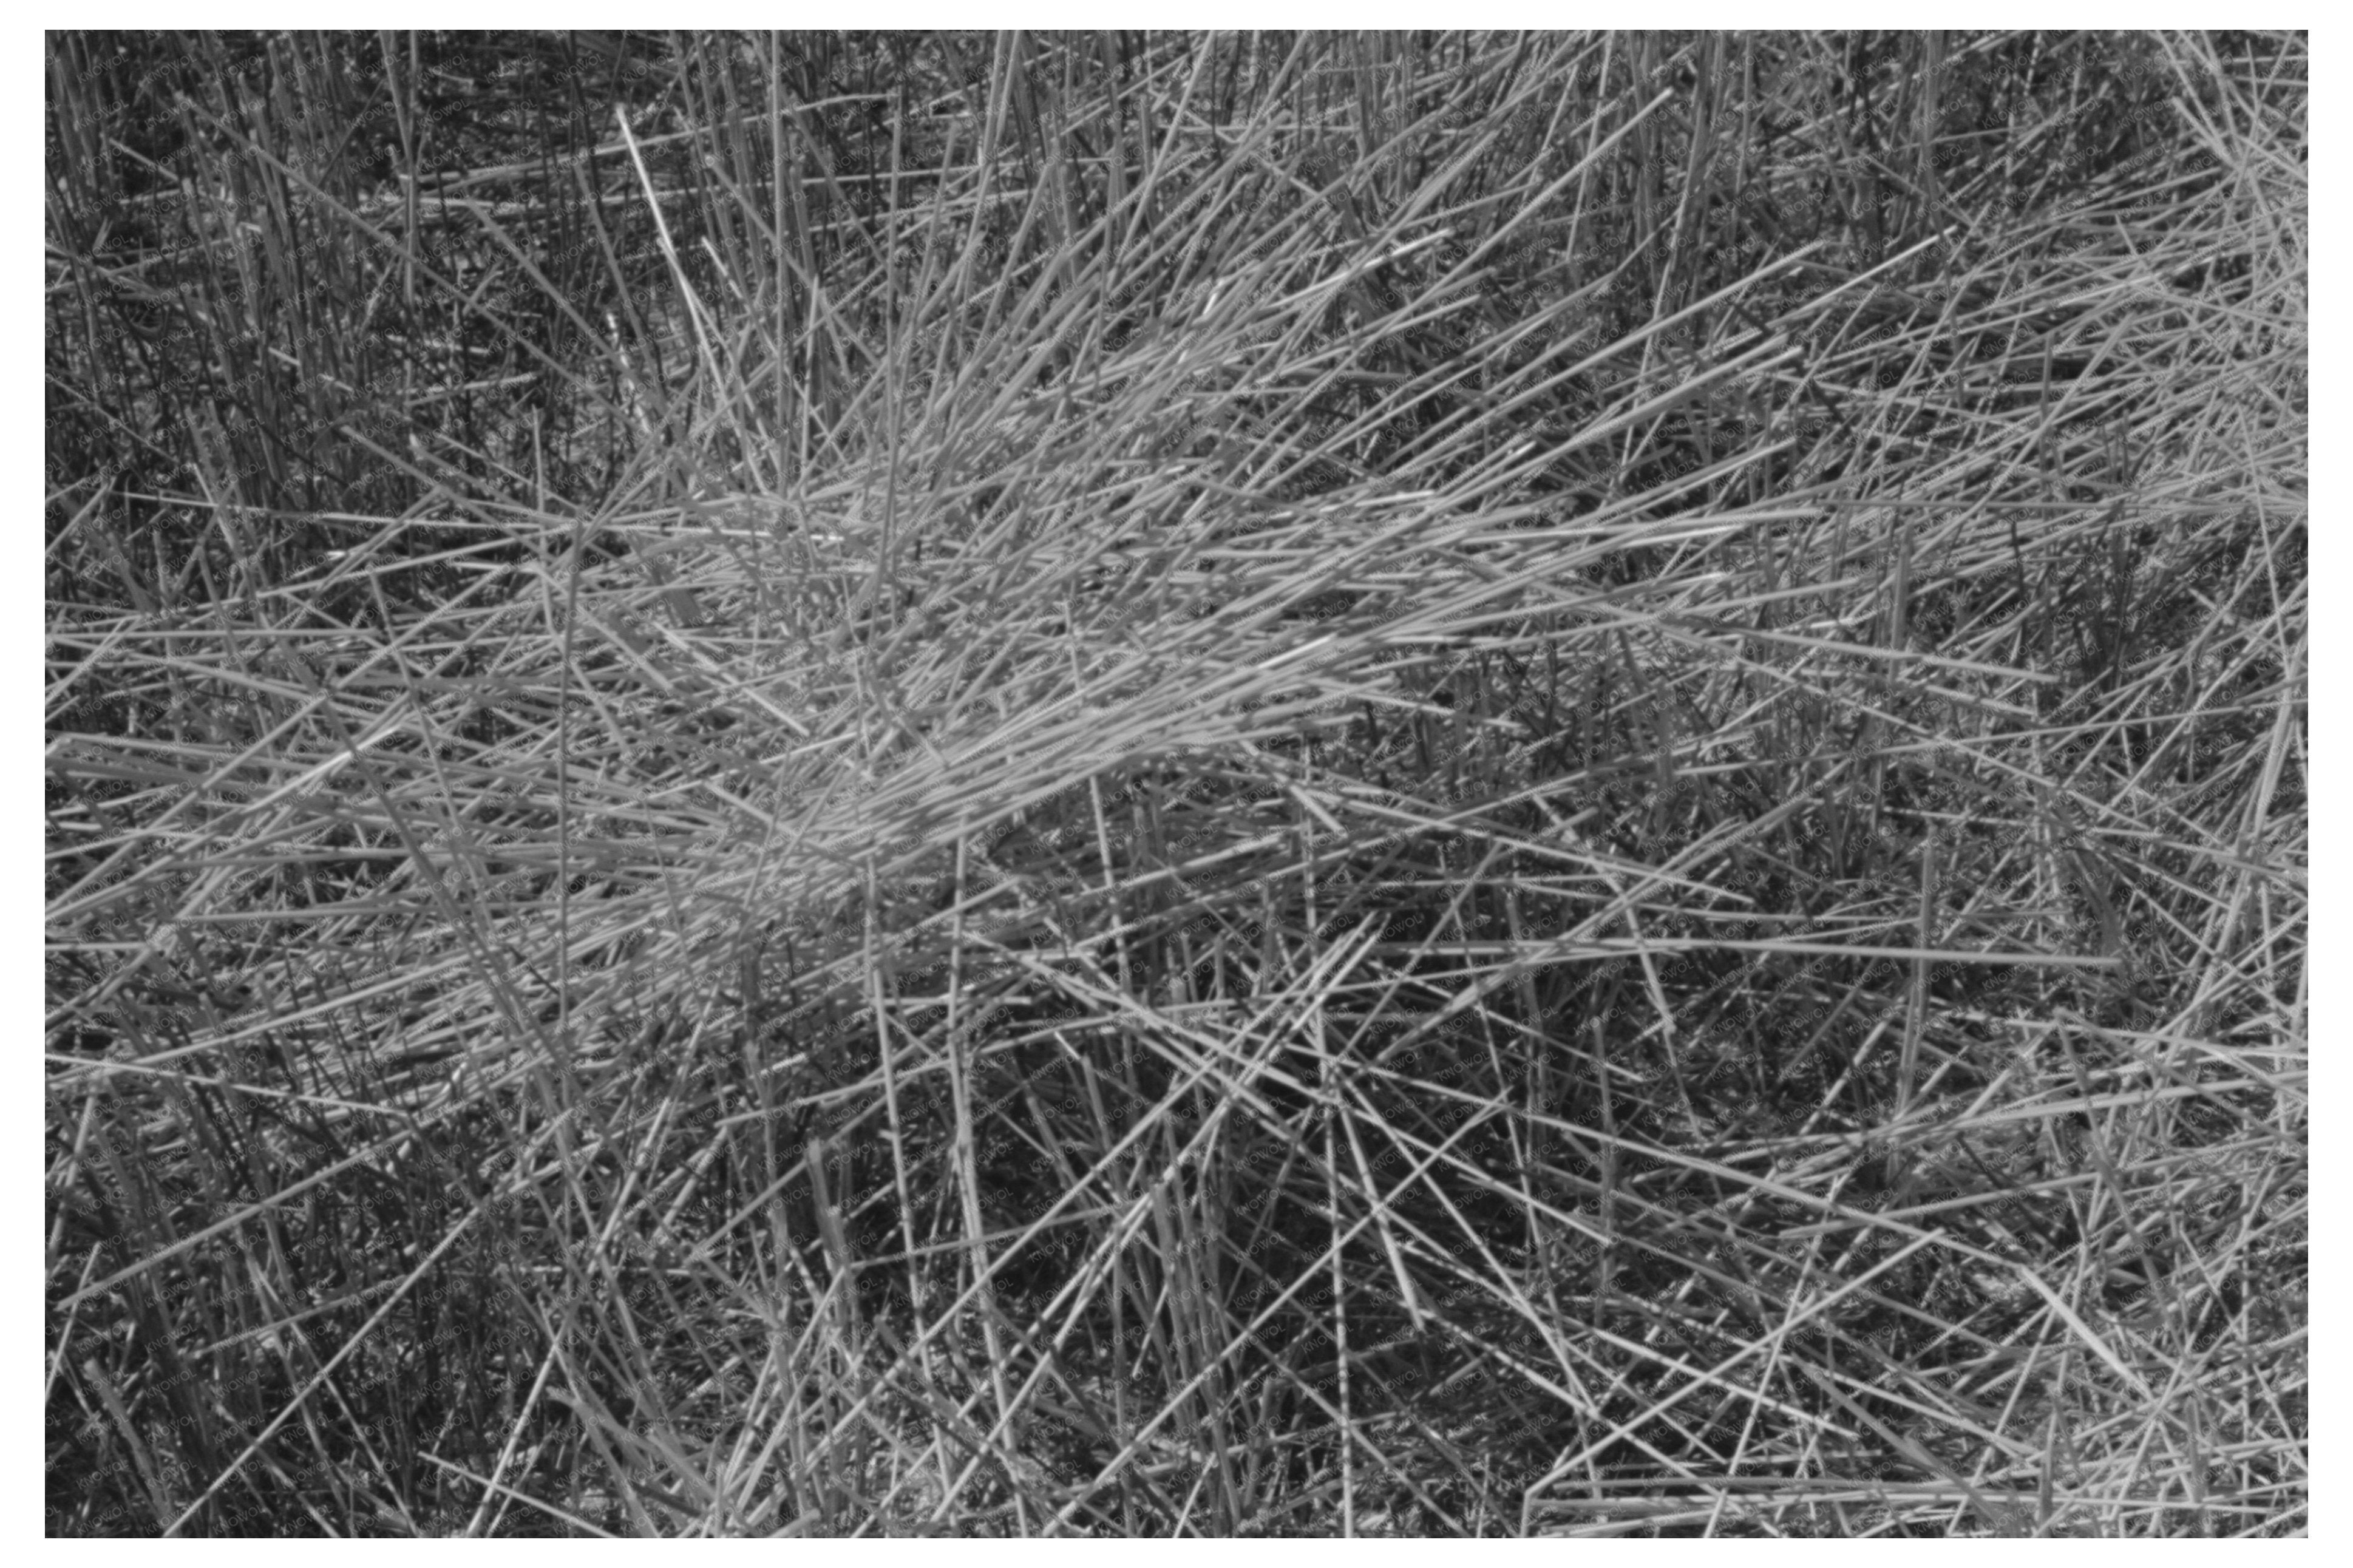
[(1141, 783)]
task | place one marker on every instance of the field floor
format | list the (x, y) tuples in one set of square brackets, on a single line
[(1153, 784)]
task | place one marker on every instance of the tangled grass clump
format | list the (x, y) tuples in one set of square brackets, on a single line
[(1177, 785)]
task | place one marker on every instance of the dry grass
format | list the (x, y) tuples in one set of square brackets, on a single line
[(1159, 786)]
